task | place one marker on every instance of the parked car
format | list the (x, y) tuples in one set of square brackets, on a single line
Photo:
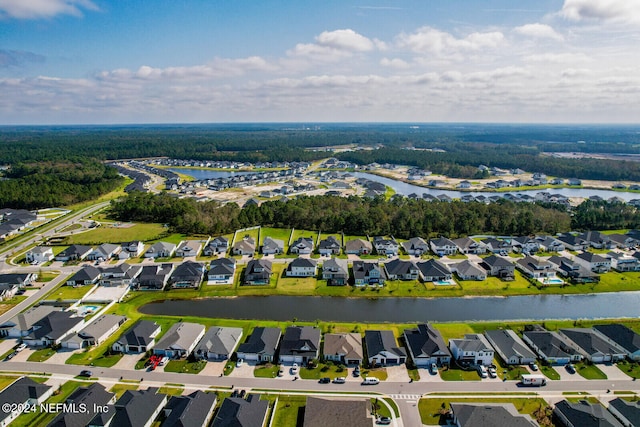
[(163, 361), (294, 369), (11, 355), (492, 371), (340, 380), (570, 368), (356, 371), (21, 347), (85, 373), (482, 371), (371, 381), (325, 380), (384, 421), (281, 371), (242, 393), (433, 368), (239, 362), (533, 366)]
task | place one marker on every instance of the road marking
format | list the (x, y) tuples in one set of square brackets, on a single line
[(412, 397)]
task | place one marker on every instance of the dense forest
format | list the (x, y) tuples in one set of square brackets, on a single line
[(401, 217), (59, 183)]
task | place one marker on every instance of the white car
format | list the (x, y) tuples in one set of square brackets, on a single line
[(533, 367), (492, 372), (294, 369), (482, 371), (339, 380), (21, 347), (239, 362), (433, 369)]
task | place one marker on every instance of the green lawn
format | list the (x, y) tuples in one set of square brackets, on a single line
[(120, 388), (549, 372), (631, 369), (46, 276), (457, 374), (510, 372), (108, 234), (41, 355), (172, 389), (276, 233), (323, 370), (306, 233), (379, 373), (590, 372), (39, 418), (5, 380), (288, 411), (432, 410), (296, 285), (251, 233), (65, 292), (185, 367), (268, 370)]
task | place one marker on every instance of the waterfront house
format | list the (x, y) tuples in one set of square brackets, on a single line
[(426, 346), (551, 347), (218, 343), (300, 344), (510, 347), (257, 272), (345, 348), (398, 269), (221, 271), (261, 345), (335, 271), (382, 349), (179, 340), (302, 267), (140, 338), (592, 346), (473, 349)]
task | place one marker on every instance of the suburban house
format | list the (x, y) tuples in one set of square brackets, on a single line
[(236, 411), (140, 338), (623, 337), (398, 269), (189, 274), (272, 246), (246, 246), (592, 346), (434, 271), (473, 349), (194, 409), (358, 247), (623, 241), (53, 329), (300, 344), (467, 245), (382, 349), (260, 346), (625, 411), (498, 267), (489, 415), (22, 324), (416, 246), (302, 245), (161, 250), (302, 267), (469, 270), (426, 346), (385, 246), (343, 348), (368, 273), (217, 245), (19, 395), (104, 252), (179, 340), (443, 246), (573, 271), (572, 242), (329, 246), (218, 343), (133, 408), (131, 250), (510, 347), (622, 262), (525, 244), (551, 347), (496, 246), (321, 412), (153, 277), (257, 272), (221, 271), (593, 262), (88, 275), (536, 268), (550, 244), (39, 255), (91, 396), (597, 240), (584, 414), (189, 248), (118, 275), (74, 253), (335, 271), (95, 332)]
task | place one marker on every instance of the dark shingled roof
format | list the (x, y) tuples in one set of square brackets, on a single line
[(629, 410), (337, 413), (262, 340), (377, 341), (585, 414), (490, 415), (192, 410), (237, 412), (20, 391), (621, 335)]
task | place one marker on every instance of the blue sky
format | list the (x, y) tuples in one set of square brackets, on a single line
[(135, 61)]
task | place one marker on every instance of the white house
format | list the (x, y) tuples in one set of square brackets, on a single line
[(39, 255), (131, 250), (473, 349), (302, 267)]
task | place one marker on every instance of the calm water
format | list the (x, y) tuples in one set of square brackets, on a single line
[(200, 174), (403, 310)]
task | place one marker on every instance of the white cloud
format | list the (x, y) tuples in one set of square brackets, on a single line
[(37, 9), (334, 45), (623, 11), (434, 41), (558, 58), (394, 63), (538, 30)]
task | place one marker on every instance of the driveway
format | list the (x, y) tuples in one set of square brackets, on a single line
[(214, 369), (427, 377), (61, 356), (128, 361), (565, 375), (7, 345), (613, 372), (244, 371), (23, 355), (397, 374)]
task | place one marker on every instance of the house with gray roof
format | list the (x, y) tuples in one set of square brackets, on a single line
[(180, 340), (593, 262), (74, 252), (39, 255), (496, 246), (473, 349), (261, 345), (572, 270), (302, 267), (189, 274), (627, 412), (321, 412), (53, 329), (345, 348), (416, 246), (161, 250), (221, 271), (584, 414), (329, 246), (398, 269), (573, 242), (551, 347), (426, 346), (510, 347), (592, 346), (246, 246), (498, 267), (87, 275), (385, 246), (119, 275), (140, 338), (239, 412), (104, 252), (469, 270), (189, 248), (217, 245), (96, 332), (622, 336), (153, 277), (135, 408), (218, 343), (382, 348), (23, 392), (489, 415), (358, 247), (550, 244), (335, 271), (22, 324), (191, 410), (302, 245), (536, 268), (300, 344), (433, 271), (368, 273), (467, 245), (91, 396), (271, 246), (596, 240), (623, 262), (443, 246), (257, 272)]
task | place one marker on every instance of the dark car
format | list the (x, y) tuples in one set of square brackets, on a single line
[(325, 380), (10, 355), (356, 372), (86, 373)]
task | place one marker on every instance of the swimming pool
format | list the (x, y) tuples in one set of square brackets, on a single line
[(445, 282), (85, 310), (550, 281)]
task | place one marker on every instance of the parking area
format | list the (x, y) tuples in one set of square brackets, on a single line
[(23, 355), (61, 356), (7, 345), (613, 372), (397, 373), (128, 361), (214, 369), (244, 371)]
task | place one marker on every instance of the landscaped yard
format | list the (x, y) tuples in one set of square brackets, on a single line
[(184, 366), (41, 355), (268, 370), (590, 372), (549, 372), (126, 233), (118, 389), (631, 369), (457, 374), (379, 373), (323, 370), (287, 411)]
